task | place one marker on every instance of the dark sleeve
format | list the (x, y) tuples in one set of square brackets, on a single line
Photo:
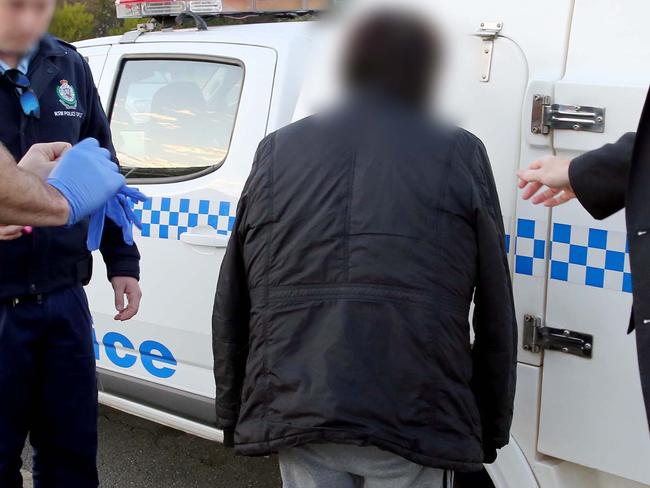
[(231, 313), (120, 258), (494, 351), (599, 178)]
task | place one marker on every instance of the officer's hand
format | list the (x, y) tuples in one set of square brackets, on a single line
[(87, 178), (125, 285), (550, 171), (42, 158), (10, 232)]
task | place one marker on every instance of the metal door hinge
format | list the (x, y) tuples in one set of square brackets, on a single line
[(546, 116), (488, 31), (538, 337)]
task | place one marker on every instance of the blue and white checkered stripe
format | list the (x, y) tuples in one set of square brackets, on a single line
[(582, 255), (530, 247), (578, 254), (168, 218), (590, 256)]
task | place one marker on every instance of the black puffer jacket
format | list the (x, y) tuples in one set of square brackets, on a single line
[(341, 313)]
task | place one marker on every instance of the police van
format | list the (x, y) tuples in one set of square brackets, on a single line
[(189, 106)]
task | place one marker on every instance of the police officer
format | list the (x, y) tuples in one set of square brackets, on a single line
[(47, 364), (604, 181)]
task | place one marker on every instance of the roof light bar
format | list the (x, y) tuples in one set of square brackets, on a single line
[(157, 8)]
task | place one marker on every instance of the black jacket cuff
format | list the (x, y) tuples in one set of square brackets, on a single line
[(121, 259), (124, 267)]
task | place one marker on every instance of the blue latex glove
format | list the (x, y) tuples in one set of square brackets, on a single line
[(87, 178), (120, 210)]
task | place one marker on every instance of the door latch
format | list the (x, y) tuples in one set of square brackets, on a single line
[(547, 116), (488, 31), (538, 337)]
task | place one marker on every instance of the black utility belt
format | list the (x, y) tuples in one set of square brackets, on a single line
[(23, 300)]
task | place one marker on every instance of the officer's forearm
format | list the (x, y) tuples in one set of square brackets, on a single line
[(26, 200)]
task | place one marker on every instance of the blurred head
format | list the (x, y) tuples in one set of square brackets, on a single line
[(397, 53), (23, 23)]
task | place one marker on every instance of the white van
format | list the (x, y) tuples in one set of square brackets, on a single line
[(188, 108)]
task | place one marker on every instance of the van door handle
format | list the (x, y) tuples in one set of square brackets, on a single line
[(207, 240)]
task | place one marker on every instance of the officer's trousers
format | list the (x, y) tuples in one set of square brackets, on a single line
[(48, 389)]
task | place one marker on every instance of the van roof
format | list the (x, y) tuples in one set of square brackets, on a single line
[(272, 35)]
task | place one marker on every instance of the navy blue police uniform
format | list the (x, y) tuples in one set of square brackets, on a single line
[(47, 363)]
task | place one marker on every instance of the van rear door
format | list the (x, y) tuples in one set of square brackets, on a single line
[(592, 409)]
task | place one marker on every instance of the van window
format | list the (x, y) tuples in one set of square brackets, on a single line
[(173, 118)]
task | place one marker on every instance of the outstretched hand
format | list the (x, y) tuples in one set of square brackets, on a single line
[(549, 171)]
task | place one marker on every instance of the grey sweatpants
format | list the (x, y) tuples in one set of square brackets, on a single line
[(347, 466)]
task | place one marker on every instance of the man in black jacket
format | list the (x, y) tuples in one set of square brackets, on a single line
[(340, 328), (605, 181)]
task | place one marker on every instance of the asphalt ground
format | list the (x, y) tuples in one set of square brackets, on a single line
[(136, 453)]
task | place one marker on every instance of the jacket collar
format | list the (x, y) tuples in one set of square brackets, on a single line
[(50, 46)]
